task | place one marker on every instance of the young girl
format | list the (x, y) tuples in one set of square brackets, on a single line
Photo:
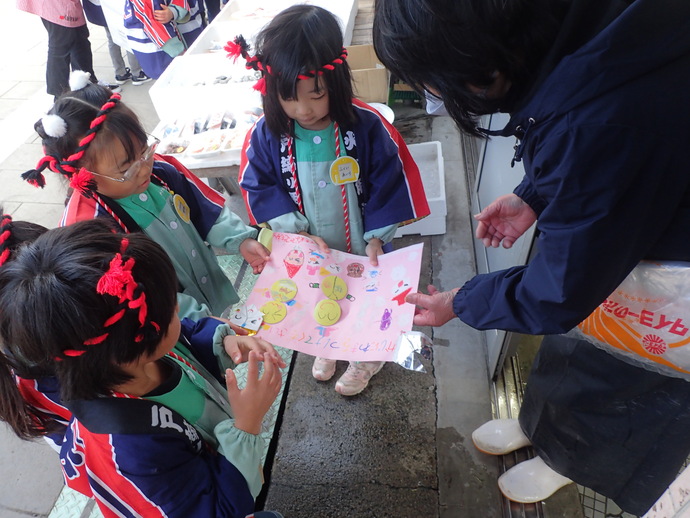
[(319, 162), (29, 393), (99, 144), (153, 431)]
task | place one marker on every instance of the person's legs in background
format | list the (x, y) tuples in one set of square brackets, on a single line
[(58, 64), (81, 57), (138, 75), (122, 74)]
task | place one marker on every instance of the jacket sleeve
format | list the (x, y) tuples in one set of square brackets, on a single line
[(604, 213), (259, 176), (205, 204), (229, 231), (526, 192), (205, 338)]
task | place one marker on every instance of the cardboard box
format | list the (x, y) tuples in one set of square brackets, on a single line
[(429, 159), (369, 75)]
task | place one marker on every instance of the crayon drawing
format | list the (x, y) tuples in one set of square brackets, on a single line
[(335, 305)]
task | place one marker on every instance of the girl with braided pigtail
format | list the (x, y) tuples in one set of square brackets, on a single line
[(153, 430), (97, 142), (319, 162)]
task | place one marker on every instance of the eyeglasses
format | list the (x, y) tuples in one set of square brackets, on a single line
[(136, 166)]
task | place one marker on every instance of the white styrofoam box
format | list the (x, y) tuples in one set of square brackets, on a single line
[(429, 159)]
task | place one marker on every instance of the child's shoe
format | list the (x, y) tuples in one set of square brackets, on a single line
[(323, 369), (356, 377), (140, 79), (122, 79)]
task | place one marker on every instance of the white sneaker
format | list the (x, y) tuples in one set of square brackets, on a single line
[(531, 481), (499, 436), (356, 377), (323, 369)]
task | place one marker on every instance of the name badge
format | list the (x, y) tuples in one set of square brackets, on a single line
[(344, 169), (182, 208)]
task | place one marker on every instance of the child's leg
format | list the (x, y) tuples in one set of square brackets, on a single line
[(134, 65), (323, 369), (115, 55), (356, 377)]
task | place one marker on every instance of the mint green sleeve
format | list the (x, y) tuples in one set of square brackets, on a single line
[(229, 231), (181, 15), (291, 222), (224, 359), (189, 307), (173, 47), (244, 451), (385, 234)]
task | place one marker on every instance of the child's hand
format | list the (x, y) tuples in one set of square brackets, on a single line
[(239, 348), (373, 250), (255, 254), (163, 15), (250, 405), (237, 329), (318, 240)]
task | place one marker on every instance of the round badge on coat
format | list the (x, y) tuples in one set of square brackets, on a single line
[(182, 208), (344, 169)]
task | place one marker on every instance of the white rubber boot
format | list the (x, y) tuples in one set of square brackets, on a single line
[(531, 481), (499, 436)]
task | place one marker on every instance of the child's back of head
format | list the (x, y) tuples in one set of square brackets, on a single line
[(86, 299), (25, 420)]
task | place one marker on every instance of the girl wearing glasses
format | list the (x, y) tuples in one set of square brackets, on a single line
[(98, 144)]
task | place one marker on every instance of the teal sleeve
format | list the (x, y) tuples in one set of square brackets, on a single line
[(189, 307), (181, 15), (290, 222), (224, 359), (385, 234), (173, 47), (244, 451), (229, 231)]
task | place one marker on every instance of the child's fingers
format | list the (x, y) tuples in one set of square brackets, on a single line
[(231, 384), (253, 367), (232, 348), (269, 352)]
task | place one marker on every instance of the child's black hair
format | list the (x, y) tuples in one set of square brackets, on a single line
[(446, 46), (53, 314), (25, 420), (78, 108), (300, 39)]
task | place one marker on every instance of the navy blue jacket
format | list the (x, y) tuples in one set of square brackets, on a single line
[(607, 171)]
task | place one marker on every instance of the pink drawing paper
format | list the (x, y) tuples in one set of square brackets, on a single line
[(370, 300)]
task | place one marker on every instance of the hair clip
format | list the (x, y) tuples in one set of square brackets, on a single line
[(54, 125), (78, 79)]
